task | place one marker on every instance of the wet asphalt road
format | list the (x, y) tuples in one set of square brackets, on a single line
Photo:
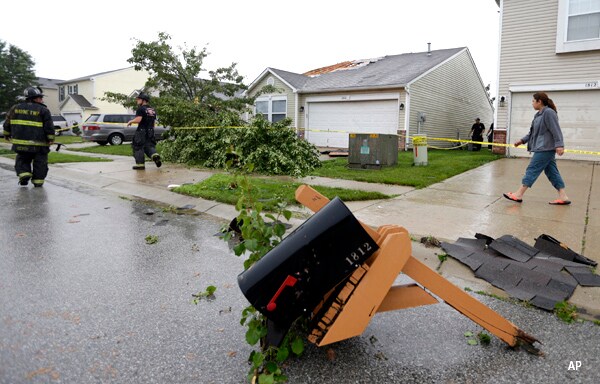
[(84, 299)]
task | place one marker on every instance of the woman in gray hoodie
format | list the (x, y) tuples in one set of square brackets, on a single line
[(545, 141)]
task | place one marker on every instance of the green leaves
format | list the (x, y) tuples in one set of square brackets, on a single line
[(207, 294), (16, 74), (261, 147), (151, 239), (186, 99), (298, 346), (481, 338), (260, 232)]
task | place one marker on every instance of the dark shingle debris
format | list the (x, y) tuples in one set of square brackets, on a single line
[(544, 274)]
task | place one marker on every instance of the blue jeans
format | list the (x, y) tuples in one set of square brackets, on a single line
[(543, 161)]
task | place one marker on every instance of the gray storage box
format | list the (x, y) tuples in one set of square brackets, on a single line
[(372, 150)]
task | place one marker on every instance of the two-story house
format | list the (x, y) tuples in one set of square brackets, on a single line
[(551, 46), (80, 97)]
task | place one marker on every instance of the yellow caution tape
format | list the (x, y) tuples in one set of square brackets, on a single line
[(419, 141), (577, 151)]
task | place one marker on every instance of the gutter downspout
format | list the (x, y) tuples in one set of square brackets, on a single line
[(93, 80), (407, 117), (297, 107)]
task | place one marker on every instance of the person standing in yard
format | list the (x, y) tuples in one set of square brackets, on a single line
[(30, 129), (144, 141), (545, 140), (477, 133), (490, 135)]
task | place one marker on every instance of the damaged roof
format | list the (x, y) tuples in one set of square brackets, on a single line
[(382, 72)]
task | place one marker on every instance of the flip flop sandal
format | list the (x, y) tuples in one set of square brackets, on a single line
[(511, 196), (560, 202)]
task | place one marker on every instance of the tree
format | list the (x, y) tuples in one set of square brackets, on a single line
[(16, 74), (186, 99)]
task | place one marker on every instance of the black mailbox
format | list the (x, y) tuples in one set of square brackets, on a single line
[(293, 277)]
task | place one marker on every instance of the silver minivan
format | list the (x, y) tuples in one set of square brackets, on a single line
[(112, 129)]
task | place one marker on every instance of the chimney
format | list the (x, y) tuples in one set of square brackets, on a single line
[(428, 49)]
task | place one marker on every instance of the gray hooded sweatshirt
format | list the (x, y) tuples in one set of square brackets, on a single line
[(545, 133)]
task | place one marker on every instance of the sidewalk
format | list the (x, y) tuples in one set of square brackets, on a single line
[(461, 206)]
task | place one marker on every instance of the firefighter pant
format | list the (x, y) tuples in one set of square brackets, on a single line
[(143, 143), (39, 160)]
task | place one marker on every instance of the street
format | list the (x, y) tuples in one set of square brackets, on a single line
[(85, 299)]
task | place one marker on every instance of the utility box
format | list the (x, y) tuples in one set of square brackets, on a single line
[(372, 150)]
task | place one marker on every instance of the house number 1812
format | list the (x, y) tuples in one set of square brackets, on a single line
[(360, 252)]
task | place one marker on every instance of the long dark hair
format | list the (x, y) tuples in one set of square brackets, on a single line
[(545, 100)]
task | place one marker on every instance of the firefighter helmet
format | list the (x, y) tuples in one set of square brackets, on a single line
[(33, 93), (143, 96)]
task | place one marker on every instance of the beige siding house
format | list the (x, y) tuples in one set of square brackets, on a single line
[(79, 98), (50, 90), (551, 46), (437, 93)]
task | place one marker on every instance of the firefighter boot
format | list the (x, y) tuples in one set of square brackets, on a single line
[(156, 159), (24, 178), (139, 167)]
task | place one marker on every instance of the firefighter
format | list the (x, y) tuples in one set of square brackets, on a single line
[(144, 141), (30, 129)]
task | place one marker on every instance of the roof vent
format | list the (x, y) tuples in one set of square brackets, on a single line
[(428, 49)]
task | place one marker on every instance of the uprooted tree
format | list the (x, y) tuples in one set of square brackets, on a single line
[(187, 102)]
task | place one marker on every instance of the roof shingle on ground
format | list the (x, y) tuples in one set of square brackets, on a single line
[(524, 272)]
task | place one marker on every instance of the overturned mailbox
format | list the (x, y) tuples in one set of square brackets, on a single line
[(294, 277), (340, 273)]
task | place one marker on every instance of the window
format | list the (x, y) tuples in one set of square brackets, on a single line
[(578, 25), (61, 93), (273, 108), (73, 89), (118, 118)]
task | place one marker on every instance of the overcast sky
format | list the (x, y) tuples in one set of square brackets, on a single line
[(70, 39)]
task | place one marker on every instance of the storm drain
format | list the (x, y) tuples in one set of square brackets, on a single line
[(543, 274)]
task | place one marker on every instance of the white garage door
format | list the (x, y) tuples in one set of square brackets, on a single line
[(73, 117), (578, 115), (329, 123)]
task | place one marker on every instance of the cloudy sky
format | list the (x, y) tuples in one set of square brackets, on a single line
[(69, 39)]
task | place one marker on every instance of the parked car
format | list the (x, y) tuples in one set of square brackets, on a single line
[(60, 124), (112, 129)]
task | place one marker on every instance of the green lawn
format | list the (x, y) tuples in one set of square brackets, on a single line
[(219, 188), (121, 150), (57, 157), (68, 139), (442, 164)]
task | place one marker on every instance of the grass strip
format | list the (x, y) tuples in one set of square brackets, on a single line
[(222, 188)]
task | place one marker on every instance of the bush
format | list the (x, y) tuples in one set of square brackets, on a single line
[(273, 149)]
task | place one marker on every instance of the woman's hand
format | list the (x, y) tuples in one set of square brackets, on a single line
[(518, 142)]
